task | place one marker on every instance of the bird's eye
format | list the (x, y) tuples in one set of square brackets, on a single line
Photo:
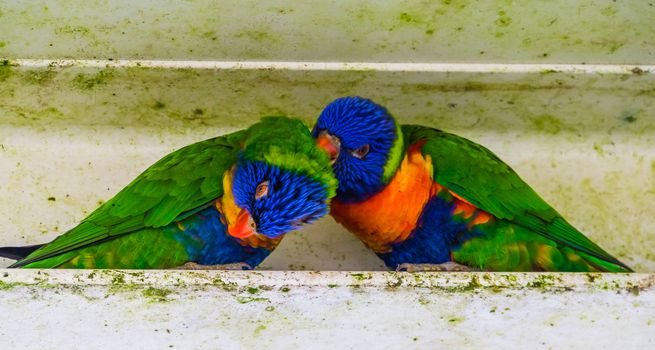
[(262, 190), (361, 152)]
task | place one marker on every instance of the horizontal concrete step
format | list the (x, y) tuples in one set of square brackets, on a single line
[(324, 310)]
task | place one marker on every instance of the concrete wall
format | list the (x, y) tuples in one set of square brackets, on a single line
[(93, 92)]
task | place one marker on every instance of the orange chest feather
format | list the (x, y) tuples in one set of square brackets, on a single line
[(392, 214)]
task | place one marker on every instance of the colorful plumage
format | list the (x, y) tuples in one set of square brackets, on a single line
[(226, 200), (417, 195)]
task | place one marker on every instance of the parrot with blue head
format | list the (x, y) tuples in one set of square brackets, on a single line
[(221, 203), (426, 200)]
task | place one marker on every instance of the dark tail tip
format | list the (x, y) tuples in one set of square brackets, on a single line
[(18, 253)]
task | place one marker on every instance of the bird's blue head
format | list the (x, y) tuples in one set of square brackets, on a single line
[(281, 180), (364, 142), (275, 201)]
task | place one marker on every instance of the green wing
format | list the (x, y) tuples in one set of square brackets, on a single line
[(479, 176), (178, 185)]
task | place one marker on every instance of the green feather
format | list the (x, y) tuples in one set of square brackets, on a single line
[(395, 156), (166, 190), (156, 249), (177, 186), (270, 142), (479, 176)]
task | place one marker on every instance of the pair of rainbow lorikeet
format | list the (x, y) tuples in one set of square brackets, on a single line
[(420, 198)]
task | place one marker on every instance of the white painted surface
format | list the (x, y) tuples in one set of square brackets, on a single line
[(585, 142), (343, 66), (104, 88), (556, 31), (324, 310)]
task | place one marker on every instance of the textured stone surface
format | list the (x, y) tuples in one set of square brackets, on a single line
[(560, 31), (72, 137), (323, 310)]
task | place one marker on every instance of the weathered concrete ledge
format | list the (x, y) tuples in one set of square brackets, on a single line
[(238, 280), (295, 309)]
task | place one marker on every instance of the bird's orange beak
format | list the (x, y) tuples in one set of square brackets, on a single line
[(243, 227), (330, 144)]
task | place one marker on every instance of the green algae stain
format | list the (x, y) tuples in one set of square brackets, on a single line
[(87, 82), (11, 285), (157, 294), (609, 11), (118, 283), (210, 35), (611, 46), (473, 284), (455, 320), (226, 286), (547, 72), (5, 70), (503, 20), (73, 30), (241, 299), (543, 281), (629, 116), (602, 144), (629, 119), (361, 276), (393, 284), (592, 277), (259, 36), (7, 286), (614, 46), (407, 18), (2, 44), (548, 124), (40, 76), (511, 279), (118, 280), (259, 329), (252, 290)]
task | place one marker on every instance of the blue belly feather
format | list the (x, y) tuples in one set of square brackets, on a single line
[(433, 239), (207, 242)]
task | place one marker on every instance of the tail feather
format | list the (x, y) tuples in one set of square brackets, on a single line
[(18, 253)]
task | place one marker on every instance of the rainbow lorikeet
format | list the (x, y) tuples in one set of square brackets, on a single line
[(425, 199), (225, 201)]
